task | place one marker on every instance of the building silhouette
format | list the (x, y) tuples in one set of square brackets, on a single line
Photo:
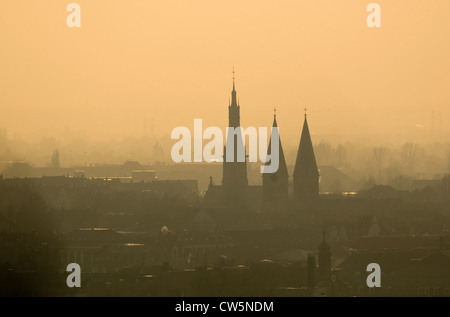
[(235, 190), (275, 185), (306, 174), (234, 179)]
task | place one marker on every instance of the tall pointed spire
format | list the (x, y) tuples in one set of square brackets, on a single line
[(234, 179), (275, 185), (282, 167), (233, 108), (306, 174), (233, 93), (233, 80)]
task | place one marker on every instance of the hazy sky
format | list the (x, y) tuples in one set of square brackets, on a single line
[(171, 61)]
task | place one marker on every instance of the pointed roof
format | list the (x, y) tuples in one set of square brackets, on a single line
[(233, 94), (305, 164), (282, 167), (233, 80)]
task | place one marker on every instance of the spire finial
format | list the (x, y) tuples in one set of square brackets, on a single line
[(234, 101), (305, 111), (274, 112), (233, 78)]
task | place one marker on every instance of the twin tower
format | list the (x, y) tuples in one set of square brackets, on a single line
[(275, 185)]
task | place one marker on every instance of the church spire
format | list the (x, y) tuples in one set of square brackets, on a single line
[(282, 167), (234, 180), (306, 174), (233, 108), (233, 93), (275, 185), (233, 80)]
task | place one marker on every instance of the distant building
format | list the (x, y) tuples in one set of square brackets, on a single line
[(139, 176), (55, 163)]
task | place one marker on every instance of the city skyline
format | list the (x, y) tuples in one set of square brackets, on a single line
[(201, 148)]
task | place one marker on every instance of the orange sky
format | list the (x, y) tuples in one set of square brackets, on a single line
[(171, 61)]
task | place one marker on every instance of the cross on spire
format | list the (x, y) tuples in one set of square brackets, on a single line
[(274, 112), (305, 111)]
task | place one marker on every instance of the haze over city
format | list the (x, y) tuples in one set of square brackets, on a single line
[(97, 199), (164, 63)]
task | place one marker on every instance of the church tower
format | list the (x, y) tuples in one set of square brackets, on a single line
[(275, 185), (306, 174), (234, 181)]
